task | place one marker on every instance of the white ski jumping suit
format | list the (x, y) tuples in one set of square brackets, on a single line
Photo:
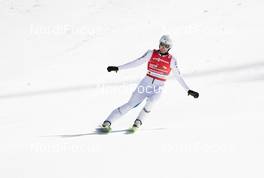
[(150, 87)]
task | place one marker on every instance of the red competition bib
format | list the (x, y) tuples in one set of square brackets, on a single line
[(159, 64)]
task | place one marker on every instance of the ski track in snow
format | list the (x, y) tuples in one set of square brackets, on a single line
[(197, 74)]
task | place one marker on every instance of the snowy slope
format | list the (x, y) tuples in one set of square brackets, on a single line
[(55, 90)]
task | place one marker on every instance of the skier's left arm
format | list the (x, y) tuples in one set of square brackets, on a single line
[(176, 71)]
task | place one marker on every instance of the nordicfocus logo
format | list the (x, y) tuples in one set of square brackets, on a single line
[(149, 89)]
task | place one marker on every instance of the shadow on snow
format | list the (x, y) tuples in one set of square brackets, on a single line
[(124, 131)]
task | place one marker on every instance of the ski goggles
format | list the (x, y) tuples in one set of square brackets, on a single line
[(165, 45)]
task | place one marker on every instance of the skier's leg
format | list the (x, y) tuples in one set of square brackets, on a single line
[(133, 102), (151, 100)]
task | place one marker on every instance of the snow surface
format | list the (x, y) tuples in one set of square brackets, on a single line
[(55, 90)]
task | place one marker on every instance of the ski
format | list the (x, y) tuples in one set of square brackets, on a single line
[(131, 130), (103, 130)]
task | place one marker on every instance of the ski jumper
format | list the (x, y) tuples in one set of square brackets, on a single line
[(150, 87)]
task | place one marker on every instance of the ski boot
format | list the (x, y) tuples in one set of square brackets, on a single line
[(135, 127), (105, 127)]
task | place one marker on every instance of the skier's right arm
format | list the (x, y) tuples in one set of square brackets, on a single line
[(133, 63)]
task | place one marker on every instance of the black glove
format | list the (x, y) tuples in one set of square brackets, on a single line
[(112, 68), (193, 93)]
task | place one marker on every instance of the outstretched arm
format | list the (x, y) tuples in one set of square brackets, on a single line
[(174, 67), (137, 62), (133, 63), (176, 71)]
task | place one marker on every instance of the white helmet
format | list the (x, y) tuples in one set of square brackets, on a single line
[(166, 40)]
